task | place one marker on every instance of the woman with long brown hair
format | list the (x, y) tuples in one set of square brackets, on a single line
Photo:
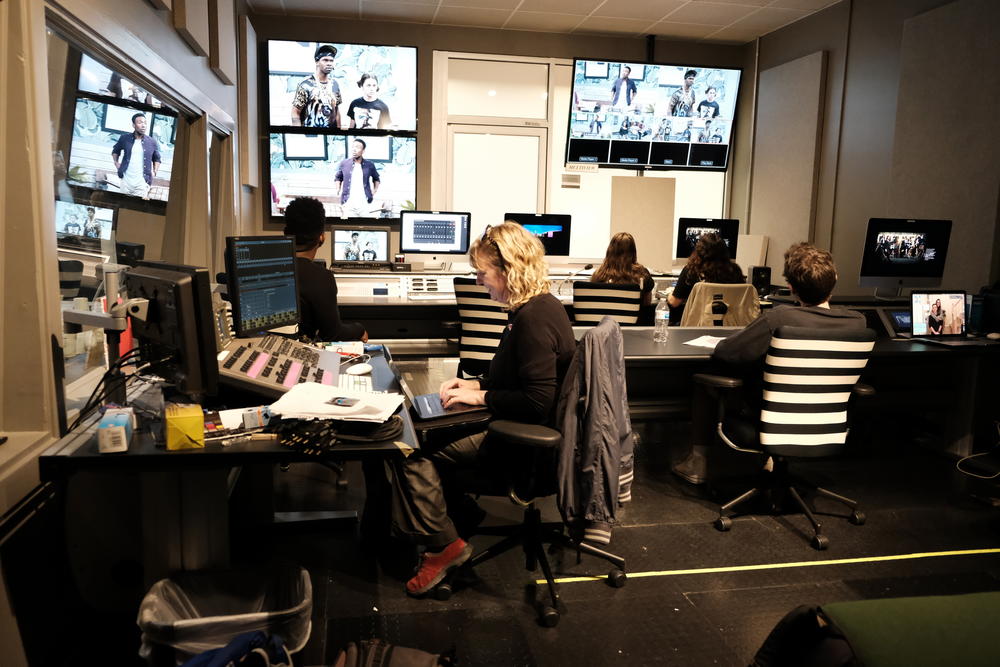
[(710, 263), (621, 267)]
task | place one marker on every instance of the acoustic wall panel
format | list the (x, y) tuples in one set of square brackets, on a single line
[(191, 23), (644, 207)]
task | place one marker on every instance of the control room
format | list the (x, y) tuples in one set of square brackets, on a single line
[(498, 332)]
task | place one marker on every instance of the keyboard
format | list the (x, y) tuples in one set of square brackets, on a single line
[(271, 365), (361, 267)]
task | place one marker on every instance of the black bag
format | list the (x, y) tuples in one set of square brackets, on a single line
[(377, 653)]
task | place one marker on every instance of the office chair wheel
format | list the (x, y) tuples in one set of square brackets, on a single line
[(616, 578), (443, 591), (723, 523), (820, 542), (857, 518), (549, 617)]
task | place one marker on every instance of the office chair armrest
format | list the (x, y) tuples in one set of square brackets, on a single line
[(863, 390), (718, 381), (531, 435)]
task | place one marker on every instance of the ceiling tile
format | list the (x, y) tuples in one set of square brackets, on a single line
[(710, 13), (318, 7), (405, 4), (766, 19), (684, 30), (612, 26), (810, 5), (482, 4), (471, 16), (397, 11), (652, 10), (733, 35), (753, 3), (543, 22), (578, 7)]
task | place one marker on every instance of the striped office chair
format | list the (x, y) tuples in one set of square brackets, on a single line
[(809, 377), (721, 305), (592, 301), (483, 321), (70, 277)]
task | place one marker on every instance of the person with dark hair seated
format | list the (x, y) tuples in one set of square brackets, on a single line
[(319, 317), (709, 263), (522, 384), (620, 266)]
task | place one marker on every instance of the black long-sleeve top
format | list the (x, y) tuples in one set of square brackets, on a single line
[(319, 317), (531, 361)]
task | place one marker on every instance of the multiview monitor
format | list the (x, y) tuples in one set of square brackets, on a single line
[(434, 232), (552, 229), (904, 252), (689, 230)]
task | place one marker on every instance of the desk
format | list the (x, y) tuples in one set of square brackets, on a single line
[(184, 495)]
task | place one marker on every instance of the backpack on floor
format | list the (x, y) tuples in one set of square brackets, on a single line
[(377, 653)]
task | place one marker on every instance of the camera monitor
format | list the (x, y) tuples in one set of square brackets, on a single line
[(689, 230), (354, 244), (174, 335), (904, 253), (82, 226), (434, 232), (552, 229), (261, 276)]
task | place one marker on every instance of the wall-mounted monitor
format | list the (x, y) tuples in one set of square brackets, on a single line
[(387, 167), (106, 136), (434, 232), (552, 229), (355, 244), (82, 226), (341, 86), (904, 253), (650, 116), (262, 285), (689, 230)]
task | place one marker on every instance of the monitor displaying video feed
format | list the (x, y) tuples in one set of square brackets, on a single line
[(341, 86), (689, 230), (97, 79), (637, 115), (387, 166), (107, 135), (904, 253), (83, 225), (434, 232), (351, 244), (552, 229), (938, 313)]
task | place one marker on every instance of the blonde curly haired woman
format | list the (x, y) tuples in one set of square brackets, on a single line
[(522, 384)]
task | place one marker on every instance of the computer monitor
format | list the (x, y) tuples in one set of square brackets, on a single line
[(552, 229), (262, 282), (904, 253), (82, 226), (357, 244), (204, 320), (434, 232), (689, 230), (173, 332)]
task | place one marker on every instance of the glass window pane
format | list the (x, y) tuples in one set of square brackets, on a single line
[(499, 89)]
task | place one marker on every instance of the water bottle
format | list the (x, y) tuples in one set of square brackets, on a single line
[(661, 318)]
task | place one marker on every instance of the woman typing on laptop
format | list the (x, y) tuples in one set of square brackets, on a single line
[(522, 384)]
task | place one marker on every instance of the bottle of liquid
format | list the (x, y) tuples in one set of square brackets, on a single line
[(661, 318)]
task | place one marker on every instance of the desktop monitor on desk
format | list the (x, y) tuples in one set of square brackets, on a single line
[(552, 229), (262, 283), (359, 244), (689, 230), (428, 234), (904, 253)]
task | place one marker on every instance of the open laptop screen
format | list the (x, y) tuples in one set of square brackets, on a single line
[(938, 313)]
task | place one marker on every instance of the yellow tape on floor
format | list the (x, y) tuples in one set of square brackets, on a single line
[(778, 566)]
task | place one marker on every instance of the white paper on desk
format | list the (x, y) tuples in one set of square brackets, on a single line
[(705, 341), (310, 400), (347, 347)]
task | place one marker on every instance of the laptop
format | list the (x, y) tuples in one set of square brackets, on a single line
[(428, 406), (940, 317)]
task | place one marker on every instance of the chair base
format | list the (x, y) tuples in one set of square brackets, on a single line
[(532, 535), (781, 484)]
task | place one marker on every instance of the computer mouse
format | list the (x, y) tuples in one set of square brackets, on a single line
[(359, 369), (993, 336)]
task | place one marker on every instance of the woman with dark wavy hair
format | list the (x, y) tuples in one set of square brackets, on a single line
[(621, 267), (710, 263)]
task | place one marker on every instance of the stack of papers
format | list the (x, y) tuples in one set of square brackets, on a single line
[(705, 341), (311, 400)]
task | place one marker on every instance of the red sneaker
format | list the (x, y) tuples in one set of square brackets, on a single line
[(434, 567)]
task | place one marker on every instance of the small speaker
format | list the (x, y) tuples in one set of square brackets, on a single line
[(760, 278)]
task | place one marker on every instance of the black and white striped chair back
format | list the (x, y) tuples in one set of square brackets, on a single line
[(809, 374), (592, 301), (70, 277), (483, 321)]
